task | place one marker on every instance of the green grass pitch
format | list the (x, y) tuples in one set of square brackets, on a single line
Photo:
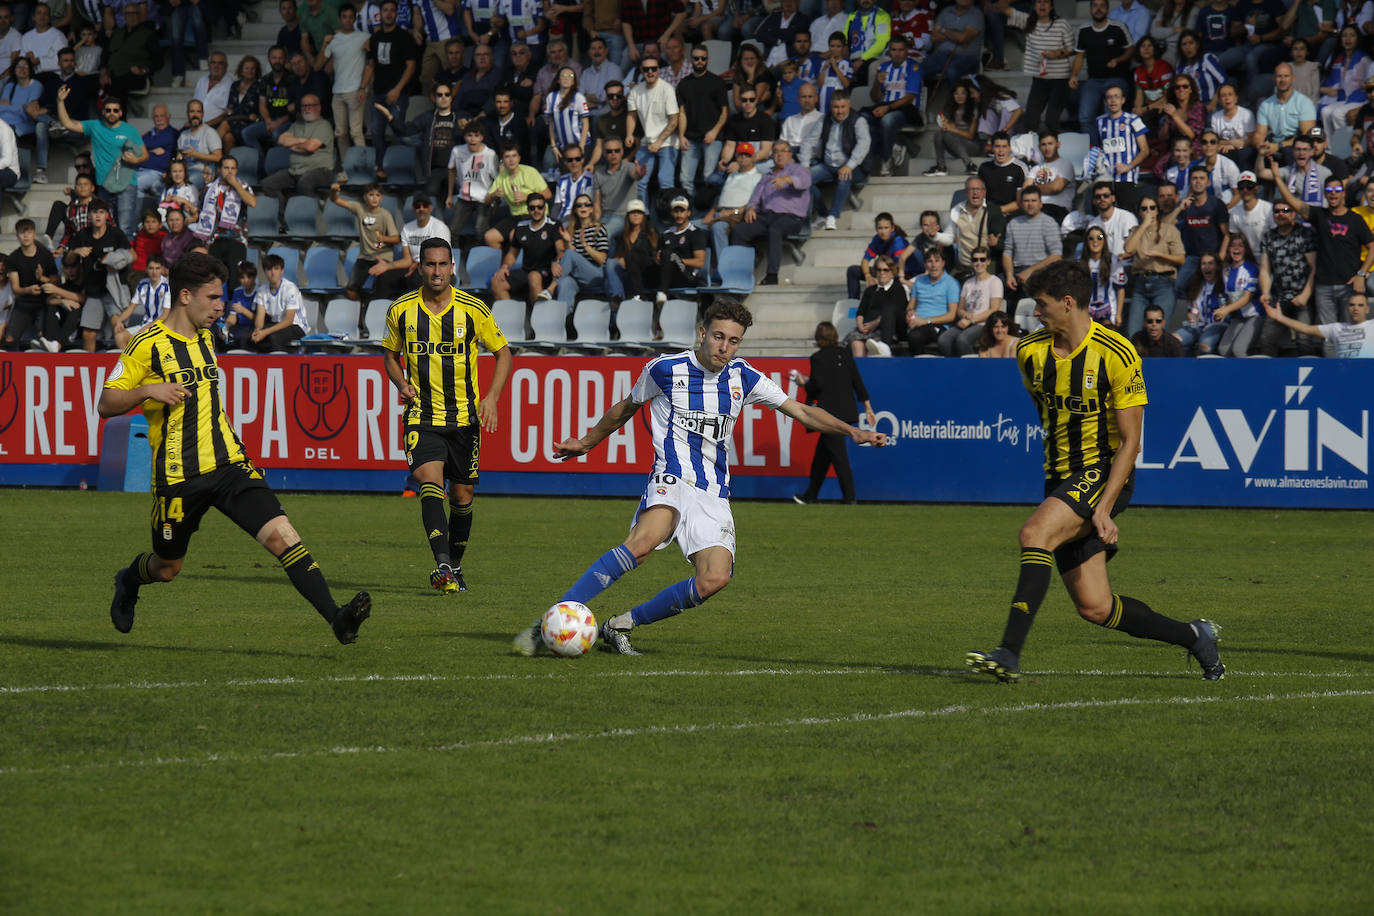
[(807, 741)]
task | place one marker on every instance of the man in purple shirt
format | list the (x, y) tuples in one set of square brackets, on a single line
[(778, 208)]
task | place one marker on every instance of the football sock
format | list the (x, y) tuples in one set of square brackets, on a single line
[(432, 499), (672, 600), (608, 567), (139, 572), (1031, 587), (306, 575), (1130, 615), (459, 527)]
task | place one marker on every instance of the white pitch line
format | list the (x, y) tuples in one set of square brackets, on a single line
[(574, 675), (549, 738)]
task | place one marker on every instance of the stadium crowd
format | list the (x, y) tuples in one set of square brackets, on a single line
[(615, 147)]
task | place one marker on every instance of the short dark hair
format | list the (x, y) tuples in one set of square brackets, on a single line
[(1154, 308), (509, 145), (1060, 279), (1001, 135), (1048, 132), (728, 308), (430, 244), (23, 224), (1029, 190), (248, 269), (194, 270), (1101, 185), (649, 57), (97, 204), (270, 261), (156, 258), (1198, 168)]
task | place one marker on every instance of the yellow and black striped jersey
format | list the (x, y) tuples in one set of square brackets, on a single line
[(1078, 395), (193, 437), (440, 355)]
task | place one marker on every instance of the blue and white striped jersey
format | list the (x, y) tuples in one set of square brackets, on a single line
[(522, 14), (1239, 281), (567, 191), (439, 27), (899, 81), (567, 122), (481, 10), (1208, 75), (1122, 140), (693, 413)]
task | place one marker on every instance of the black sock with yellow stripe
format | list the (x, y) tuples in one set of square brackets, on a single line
[(1032, 585), (459, 528), (432, 500), (306, 575), (1130, 615), (140, 572)]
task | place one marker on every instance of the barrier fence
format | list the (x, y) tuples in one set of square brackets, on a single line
[(1258, 432)]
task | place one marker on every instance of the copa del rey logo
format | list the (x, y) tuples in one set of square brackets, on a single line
[(1298, 436)]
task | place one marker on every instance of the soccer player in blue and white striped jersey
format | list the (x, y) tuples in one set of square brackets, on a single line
[(1125, 144), (695, 398)]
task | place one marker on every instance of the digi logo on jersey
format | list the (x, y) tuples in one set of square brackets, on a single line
[(1069, 402), (433, 348), (193, 375), (713, 426), (322, 404)]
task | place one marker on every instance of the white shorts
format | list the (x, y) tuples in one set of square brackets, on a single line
[(703, 520)]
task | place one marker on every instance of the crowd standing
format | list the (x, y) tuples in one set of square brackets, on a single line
[(601, 147)]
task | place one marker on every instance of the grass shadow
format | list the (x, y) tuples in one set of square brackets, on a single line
[(89, 645)]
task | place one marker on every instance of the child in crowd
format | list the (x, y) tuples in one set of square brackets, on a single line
[(280, 320), (377, 233), (236, 327), (66, 295), (890, 240), (88, 52), (28, 265), (789, 90), (149, 303), (147, 242), (180, 190)]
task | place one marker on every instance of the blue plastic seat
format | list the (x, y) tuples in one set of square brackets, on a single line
[(321, 271), (303, 219), (481, 264)]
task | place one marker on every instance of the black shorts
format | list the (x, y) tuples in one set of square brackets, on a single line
[(1080, 491), (457, 447), (520, 280), (506, 226), (238, 491)]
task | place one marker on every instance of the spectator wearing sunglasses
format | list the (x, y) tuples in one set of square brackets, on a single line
[(1153, 339)]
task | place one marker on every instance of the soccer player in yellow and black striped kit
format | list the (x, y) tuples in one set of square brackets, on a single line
[(1087, 384), (430, 352), (198, 461)]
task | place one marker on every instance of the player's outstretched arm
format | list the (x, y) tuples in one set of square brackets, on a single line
[(825, 422), (1302, 327), (487, 414), (610, 421)]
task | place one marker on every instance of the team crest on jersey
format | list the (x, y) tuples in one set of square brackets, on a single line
[(1089, 380), (736, 394), (662, 491)]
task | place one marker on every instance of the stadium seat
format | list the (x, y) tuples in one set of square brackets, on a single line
[(25, 181), (635, 320), (302, 219), (321, 271), (548, 320), (292, 258), (340, 316), (399, 165), (250, 163), (721, 53), (375, 321), (350, 258), (339, 223), (736, 270), (262, 225), (1339, 142), (679, 323), (481, 263), (844, 316), (592, 321), (312, 313), (357, 165), (1074, 147), (278, 160), (509, 315)]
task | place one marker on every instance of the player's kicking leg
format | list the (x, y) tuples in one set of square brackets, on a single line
[(714, 568), (282, 541), (1092, 594), (652, 527)]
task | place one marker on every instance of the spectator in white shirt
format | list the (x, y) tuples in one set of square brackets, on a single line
[(41, 43), (212, 89)]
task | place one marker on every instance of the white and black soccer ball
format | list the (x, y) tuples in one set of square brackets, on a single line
[(569, 629)]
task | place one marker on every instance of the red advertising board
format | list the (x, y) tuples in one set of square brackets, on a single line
[(341, 413)]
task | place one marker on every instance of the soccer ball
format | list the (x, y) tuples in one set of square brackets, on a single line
[(568, 628)]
